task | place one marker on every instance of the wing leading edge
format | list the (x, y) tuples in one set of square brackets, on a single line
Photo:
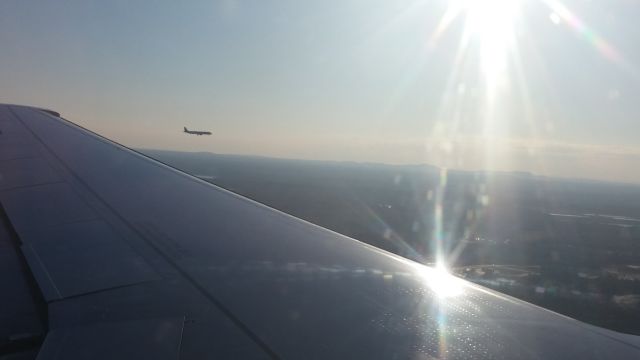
[(124, 246)]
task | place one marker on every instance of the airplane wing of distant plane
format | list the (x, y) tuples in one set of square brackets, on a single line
[(137, 260)]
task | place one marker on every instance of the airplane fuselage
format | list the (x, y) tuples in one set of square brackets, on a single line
[(192, 132)]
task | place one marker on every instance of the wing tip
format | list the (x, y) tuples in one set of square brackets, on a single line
[(50, 112)]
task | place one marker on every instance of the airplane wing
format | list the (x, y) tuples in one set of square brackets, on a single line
[(137, 260)]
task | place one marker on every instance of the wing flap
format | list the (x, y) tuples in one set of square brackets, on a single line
[(42, 276), (87, 256), (157, 339), (17, 151), (26, 172), (37, 207)]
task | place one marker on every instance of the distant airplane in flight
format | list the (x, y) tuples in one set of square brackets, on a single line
[(196, 132)]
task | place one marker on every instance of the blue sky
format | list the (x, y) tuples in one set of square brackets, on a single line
[(544, 86)]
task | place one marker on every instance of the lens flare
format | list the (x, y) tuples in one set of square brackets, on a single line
[(562, 14)]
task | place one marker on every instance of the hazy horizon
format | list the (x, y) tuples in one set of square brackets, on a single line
[(540, 86), (150, 151)]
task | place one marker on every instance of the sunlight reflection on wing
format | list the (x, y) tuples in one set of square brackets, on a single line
[(445, 287), (439, 280)]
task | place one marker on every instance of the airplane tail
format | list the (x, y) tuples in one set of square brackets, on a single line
[(185, 129)]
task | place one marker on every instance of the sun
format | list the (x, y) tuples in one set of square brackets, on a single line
[(492, 23), (489, 39)]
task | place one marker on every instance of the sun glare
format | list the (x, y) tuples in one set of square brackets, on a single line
[(489, 22), (492, 23), (489, 39), (441, 282)]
